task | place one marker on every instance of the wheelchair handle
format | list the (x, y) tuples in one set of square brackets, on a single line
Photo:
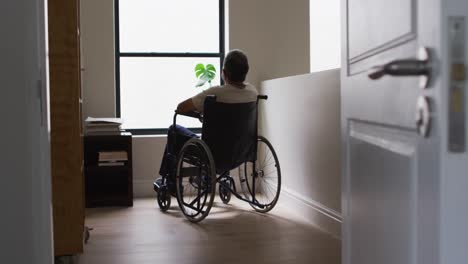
[(263, 97)]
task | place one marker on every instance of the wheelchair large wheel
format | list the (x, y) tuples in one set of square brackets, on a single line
[(262, 178), (195, 180)]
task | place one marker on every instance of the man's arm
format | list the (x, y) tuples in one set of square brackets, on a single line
[(186, 106)]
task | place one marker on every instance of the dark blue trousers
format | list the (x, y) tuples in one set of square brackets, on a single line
[(176, 138)]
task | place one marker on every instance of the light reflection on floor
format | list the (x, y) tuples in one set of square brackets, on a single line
[(232, 233)]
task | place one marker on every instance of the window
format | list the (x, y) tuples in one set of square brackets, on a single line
[(158, 44), (325, 39)]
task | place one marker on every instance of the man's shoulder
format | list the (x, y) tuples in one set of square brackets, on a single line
[(228, 89), (213, 89), (250, 86)]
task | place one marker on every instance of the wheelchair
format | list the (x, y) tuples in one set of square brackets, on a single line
[(229, 141)]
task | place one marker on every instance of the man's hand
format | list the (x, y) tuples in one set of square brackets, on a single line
[(187, 107)]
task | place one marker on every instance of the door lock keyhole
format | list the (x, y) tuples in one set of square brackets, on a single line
[(423, 116)]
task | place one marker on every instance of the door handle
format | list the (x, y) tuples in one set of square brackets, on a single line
[(421, 66)]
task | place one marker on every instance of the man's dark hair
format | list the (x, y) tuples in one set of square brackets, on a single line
[(236, 66)]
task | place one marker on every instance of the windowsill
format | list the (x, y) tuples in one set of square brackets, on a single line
[(150, 136), (156, 132), (156, 136)]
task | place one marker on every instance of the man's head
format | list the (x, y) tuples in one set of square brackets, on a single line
[(236, 66)]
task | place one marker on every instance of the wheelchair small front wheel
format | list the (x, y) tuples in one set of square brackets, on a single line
[(263, 178), (195, 180), (224, 193), (164, 199)]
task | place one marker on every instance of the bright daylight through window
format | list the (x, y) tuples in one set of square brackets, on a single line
[(158, 45), (325, 35)]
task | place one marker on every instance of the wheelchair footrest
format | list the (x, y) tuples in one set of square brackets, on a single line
[(157, 184)]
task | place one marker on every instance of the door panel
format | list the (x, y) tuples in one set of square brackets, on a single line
[(383, 194), (376, 25), (378, 32), (390, 171), (379, 100)]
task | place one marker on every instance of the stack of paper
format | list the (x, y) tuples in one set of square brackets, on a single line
[(103, 126)]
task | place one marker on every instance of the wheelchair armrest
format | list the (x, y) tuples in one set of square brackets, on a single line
[(190, 114)]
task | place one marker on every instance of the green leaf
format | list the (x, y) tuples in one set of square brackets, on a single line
[(210, 67), (199, 69), (204, 74), (211, 75)]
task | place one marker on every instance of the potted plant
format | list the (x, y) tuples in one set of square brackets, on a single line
[(205, 74)]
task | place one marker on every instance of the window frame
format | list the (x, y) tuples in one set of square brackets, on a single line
[(118, 55)]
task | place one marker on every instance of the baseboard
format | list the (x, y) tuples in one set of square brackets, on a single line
[(313, 212), (143, 188)]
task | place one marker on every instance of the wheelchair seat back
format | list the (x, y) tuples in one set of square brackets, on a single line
[(230, 131)]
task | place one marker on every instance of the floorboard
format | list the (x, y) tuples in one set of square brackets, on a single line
[(230, 234)]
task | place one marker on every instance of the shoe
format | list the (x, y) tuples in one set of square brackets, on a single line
[(157, 184)]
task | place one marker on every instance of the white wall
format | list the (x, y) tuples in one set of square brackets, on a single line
[(302, 121), (273, 33), (98, 53), (147, 156)]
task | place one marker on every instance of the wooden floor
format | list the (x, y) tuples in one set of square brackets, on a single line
[(230, 234)]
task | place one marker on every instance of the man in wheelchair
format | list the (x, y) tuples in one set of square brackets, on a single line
[(229, 140), (234, 72)]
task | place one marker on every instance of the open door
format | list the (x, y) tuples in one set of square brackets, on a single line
[(25, 157), (403, 121)]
